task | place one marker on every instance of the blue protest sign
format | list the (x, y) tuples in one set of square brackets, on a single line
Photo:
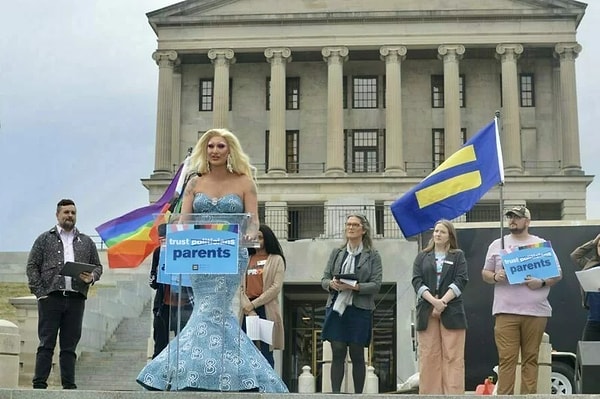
[(202, 248), (171, 279), (537, 261)]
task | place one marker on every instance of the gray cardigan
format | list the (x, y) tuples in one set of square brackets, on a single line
[(46, 261), (368, 272)]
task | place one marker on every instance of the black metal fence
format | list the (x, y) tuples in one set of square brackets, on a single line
[(320, 221)]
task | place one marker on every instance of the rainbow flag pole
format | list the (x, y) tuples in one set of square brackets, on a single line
[(130, 238)]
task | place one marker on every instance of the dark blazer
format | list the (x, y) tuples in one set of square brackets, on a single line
[(368, 272), (583, 256), (454, 272)]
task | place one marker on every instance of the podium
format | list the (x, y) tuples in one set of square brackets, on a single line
[(587, 368), (205, 252)]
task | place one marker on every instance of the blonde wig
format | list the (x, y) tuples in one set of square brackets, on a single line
[(237, 158)]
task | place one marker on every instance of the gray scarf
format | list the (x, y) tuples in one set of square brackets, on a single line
[(344, 298)]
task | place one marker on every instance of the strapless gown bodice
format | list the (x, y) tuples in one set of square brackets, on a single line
[(213, 354), (229, 203)]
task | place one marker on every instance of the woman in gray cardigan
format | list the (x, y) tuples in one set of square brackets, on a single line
[(353, 278)]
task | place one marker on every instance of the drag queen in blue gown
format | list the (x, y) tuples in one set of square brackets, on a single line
[(214, 353)]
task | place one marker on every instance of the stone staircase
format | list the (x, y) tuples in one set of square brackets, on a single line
[(116, 367)]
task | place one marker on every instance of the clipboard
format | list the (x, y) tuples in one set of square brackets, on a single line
[(347, 276), (74, 269)]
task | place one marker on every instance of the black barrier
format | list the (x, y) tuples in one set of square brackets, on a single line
[(588, 367)]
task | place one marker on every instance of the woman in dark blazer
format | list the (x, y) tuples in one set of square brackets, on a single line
[(348, 313), (439, 278), (587, 256)]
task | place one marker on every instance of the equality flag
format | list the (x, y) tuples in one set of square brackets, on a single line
[(132, 237), (455, 186)]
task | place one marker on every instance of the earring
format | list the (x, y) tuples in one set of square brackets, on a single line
[(207, 166), (229, 167)]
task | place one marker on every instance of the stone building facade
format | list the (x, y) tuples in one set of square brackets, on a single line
[(346, 104)]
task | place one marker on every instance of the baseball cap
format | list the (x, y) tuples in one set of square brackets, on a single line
[(519, 211)]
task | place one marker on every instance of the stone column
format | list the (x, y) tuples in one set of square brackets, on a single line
[(335, 58), (176, 120), (394, 152), (567, 53), (166, 61), (221, 59), (511, 121), (451, 54), (277, 57), (557, 143)]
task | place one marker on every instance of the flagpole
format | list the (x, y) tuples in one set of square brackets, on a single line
[(501, 202)]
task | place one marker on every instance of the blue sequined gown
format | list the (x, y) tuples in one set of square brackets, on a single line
[(214, 353)]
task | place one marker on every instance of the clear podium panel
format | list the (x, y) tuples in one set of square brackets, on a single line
[(248, 225)]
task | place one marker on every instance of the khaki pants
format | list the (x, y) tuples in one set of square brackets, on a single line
[(441, 359), (514, 332)]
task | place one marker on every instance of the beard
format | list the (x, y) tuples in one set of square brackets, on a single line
[(516, 230), (67, 224)]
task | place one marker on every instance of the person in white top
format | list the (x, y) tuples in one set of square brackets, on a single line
[(521, 310)]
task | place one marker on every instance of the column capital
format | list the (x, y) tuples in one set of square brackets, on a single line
[(330, 53), (509, 51), (451, 52), (393, 53), (166, 58), (278, 54), (221, 56), (568, 51)]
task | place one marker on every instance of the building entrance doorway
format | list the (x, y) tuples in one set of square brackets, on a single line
[(304, 313)]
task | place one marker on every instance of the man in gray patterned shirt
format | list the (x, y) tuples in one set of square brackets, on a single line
[(61, 299)]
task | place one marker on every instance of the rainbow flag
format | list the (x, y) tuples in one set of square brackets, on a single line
[(132, 237)]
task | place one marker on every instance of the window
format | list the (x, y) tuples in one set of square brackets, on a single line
[(292, 93), (365, 151), (364, 92), (384, 89), (438, 145), (527, 90), (292, 137), (345, 92), (501, 92), (437, 91), (291, 151), (207, 92), (461, 91)]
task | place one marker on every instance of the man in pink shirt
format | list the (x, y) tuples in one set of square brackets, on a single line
[(521, 310)]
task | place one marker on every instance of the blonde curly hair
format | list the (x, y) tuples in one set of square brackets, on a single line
[(239, 161)]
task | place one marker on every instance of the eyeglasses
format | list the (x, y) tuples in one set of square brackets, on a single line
[(513, 216), (351, 225)]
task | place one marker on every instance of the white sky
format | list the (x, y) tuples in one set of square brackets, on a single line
[(78, 93)]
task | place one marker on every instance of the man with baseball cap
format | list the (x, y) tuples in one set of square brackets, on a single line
[(521, 310)]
